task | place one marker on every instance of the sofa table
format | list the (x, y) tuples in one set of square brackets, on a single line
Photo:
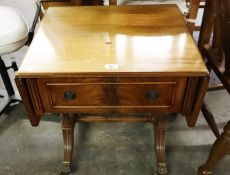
[(113, 63)]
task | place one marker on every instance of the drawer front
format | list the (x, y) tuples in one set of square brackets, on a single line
[(113, 94)]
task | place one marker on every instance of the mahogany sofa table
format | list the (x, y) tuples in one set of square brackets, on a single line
[(114, 63)]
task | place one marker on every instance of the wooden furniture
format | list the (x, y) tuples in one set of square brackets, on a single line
[(128, 66), (56, 3), (216, 20), (205, 36), (220, 148), (210, 37), (191, 15), (60, 3)]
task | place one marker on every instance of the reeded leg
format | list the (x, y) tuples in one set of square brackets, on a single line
[(68, 124), (159, 127), (219, 149)]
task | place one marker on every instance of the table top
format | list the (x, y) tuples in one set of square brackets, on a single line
[(113, 40)]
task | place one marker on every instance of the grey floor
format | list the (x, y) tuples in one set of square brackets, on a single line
[(104, 148)]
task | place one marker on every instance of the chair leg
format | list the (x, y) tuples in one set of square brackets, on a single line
[(220, 148), (210, 119), (6, 78), (8, 95)]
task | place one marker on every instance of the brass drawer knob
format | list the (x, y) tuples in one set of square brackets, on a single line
[(69, 95), (153, 95)]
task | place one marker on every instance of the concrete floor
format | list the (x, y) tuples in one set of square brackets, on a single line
[(104, 148)]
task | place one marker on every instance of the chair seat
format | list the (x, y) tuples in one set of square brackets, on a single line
[(13, 30)]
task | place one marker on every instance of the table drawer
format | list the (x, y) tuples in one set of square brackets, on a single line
[(108, 93)]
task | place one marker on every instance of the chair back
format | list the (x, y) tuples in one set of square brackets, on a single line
[(218, 59), (214, 40), (224, 21)]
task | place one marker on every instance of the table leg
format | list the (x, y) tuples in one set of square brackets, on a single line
[(68, 123), (159, 127), (219, 149)]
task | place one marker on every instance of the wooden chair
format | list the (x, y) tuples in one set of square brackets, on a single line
[(191, 16), (216, 22), (53, 3), (57, 3)]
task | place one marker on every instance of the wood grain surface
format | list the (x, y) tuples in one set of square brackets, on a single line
[(124, 40)]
